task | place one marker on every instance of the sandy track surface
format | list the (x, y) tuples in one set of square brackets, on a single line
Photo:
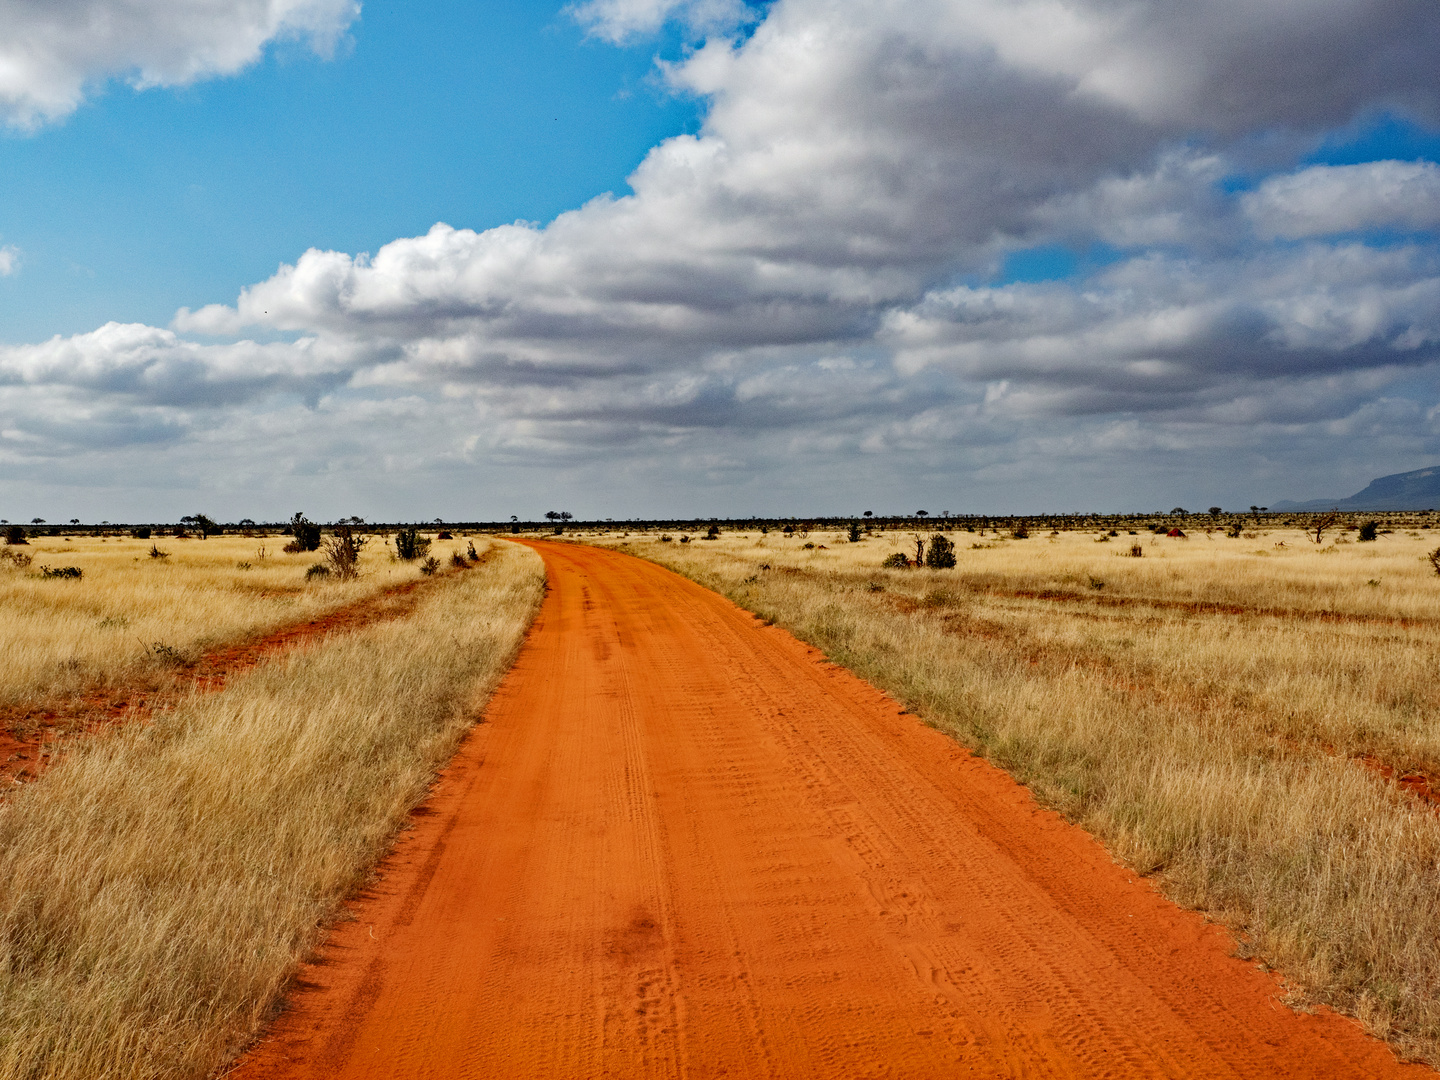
[(685, 845)]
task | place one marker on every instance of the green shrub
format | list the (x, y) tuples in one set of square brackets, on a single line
[(62, 572), (1369, 530), (15, 534), (941, 554), (429, 565), (896, 561), (318, 572), (410, 545), (306, 533)]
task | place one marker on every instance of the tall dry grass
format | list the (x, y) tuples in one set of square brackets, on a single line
[(64, 636), (158, 887), (1205, 710)]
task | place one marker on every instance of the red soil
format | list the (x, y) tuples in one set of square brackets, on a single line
[(685, 845), (28, 731)]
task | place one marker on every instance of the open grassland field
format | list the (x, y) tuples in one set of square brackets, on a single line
[(133, 615), (1254, 721), (159, 885)]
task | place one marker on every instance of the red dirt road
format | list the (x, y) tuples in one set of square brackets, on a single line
[(685, 846)]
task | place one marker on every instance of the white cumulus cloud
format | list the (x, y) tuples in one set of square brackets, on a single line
[(1328, 199), (9, 260), (802, 283), (620, 21), (53, 51)]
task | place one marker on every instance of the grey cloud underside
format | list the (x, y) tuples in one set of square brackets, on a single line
[(811, 265)]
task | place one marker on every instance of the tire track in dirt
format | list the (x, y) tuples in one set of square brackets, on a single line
[(27, 730), (684, 845)]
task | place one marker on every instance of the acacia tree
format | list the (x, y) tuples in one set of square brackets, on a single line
[(204, 525), (1319, 524)]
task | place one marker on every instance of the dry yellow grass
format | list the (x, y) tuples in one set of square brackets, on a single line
[(59, 636), (62, 636), (1204, 709), (158, 887)]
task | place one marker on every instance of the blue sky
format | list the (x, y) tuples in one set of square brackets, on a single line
[(855, 254), (433, 110)]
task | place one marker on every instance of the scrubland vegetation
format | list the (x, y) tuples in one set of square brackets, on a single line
[(158, 887), (1228, 713)]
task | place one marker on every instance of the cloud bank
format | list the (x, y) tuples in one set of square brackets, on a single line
[(815, 284)]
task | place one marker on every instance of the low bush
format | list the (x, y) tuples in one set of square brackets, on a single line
[(342, 553), (140, 532), (458, 561), (895, 561), (306, 534), (318, 572), (941, 554), (62, 572), (410, 545), (470, 552), (1369, 530), (429, 565), (156, 553), (15, 534)]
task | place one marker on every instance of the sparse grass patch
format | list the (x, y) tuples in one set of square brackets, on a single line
[(196, 597)]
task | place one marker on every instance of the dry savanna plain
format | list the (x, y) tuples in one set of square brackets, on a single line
[(232, 745), (210, 752), (1251, 720)]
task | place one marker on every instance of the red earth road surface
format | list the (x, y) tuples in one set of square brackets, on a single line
[(684, 845)]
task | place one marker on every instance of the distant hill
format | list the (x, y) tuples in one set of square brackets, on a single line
[(1417, 490)]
